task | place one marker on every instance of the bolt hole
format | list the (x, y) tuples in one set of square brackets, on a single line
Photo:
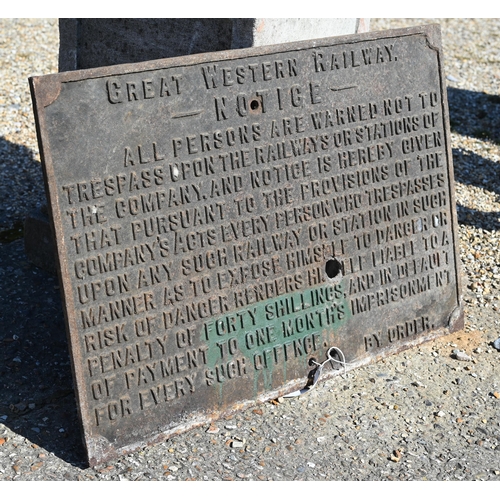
[(333, 268), (254, 104)]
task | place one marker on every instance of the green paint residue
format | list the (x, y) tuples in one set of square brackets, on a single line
[(262, 338)]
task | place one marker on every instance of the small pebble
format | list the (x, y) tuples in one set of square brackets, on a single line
[(461, 355)]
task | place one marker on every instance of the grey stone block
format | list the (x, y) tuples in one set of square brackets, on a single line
[(90, 43), (269, 31)]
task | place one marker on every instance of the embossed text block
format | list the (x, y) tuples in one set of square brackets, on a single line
[(222, 220)]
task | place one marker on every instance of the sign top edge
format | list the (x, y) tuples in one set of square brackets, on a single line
[(433, 31)]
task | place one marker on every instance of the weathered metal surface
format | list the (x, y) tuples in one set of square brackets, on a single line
[(222, 219)]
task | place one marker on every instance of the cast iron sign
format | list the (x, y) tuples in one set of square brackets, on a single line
[(224, 219)]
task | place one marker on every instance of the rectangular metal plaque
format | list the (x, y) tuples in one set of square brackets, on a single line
[(223, 219)]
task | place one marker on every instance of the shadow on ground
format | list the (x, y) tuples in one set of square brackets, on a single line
[(21, 187), (36, 388), (477, 115)]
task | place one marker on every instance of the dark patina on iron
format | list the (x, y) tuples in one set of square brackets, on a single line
[(224, 220)]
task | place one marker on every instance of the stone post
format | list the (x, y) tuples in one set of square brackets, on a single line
[(90, 43)]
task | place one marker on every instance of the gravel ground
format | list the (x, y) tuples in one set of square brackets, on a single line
[(419, 415)]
